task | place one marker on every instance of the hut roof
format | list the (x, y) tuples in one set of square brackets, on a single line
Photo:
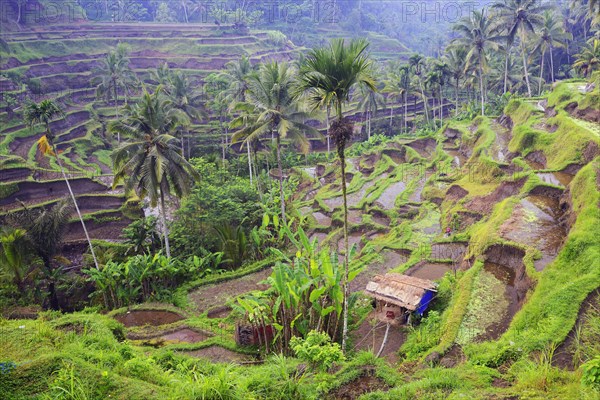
[(401, 290)]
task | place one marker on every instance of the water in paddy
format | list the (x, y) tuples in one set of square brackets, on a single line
[(429, 270)]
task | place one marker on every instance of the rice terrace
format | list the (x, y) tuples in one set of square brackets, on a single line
[(299, 199)]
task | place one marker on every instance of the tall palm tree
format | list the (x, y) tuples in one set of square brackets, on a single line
[(588, 60), (418, 65), (520, 17), (42, 114), (551, 35), (369, 102), (237, 73), (327, 78), (275, 113), (151, 163), (185, 98), (397, 86), (478, 36), (113, 74), (44, 231), (442, 73), (455, 60)]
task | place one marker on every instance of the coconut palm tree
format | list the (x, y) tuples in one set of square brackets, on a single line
[(237, 74), (478, 37), (588, 60), (42, 114), (551, 35), (113, 74), (519, 18), (275, 113), (397, 86), (151, 163), (455, 60), (44, 230), (326, 79), (418, 65), (186, 98), (369, 102)]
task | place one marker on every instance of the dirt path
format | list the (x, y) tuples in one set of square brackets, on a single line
[(207, 297)]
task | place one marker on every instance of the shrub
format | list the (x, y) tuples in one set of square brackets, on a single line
[(591, 373), (317, 350)]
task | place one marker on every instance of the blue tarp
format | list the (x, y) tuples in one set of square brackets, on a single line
[(425, 300)]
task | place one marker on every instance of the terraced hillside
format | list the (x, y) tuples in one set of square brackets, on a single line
[(57, 62), (502, 212)]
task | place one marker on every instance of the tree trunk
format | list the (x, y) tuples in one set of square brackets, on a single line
[(506, 68), (87, 236), (391, 115), (185, 12), (182, 144), (281, 195), (405, 112), (441, 108), (328, 137), (424, 102), (456, 98), (116, 109), (249, 163), (342, 156), (164, 222), (525, 64), (53, 298), (481, 88), (369, 123), (551, 65), (541, 73)]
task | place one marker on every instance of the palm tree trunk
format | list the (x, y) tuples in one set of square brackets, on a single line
[(249, 163), (481, 89), (551, 65), (87, 236), (369, 123), (328, 138), (441, 108), (116, 110), (405, 112), (342, 156), (424, 101), (391, 115), (182, 144), (281, 196), (506, 68), (164, 222), (525, 64), (456, 98), (541, 73), (185, 12)]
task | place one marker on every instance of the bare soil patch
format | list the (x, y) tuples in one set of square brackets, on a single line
[(218, 354), (484, 204), (390, 260), (366, 383), (219, 312), (370, 334), (429, 270), (148, 317), (207, 297)]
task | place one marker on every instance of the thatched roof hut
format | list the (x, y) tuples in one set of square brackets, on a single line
[(406, 292)]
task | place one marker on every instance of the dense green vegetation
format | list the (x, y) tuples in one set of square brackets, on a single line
[(182, 230)]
